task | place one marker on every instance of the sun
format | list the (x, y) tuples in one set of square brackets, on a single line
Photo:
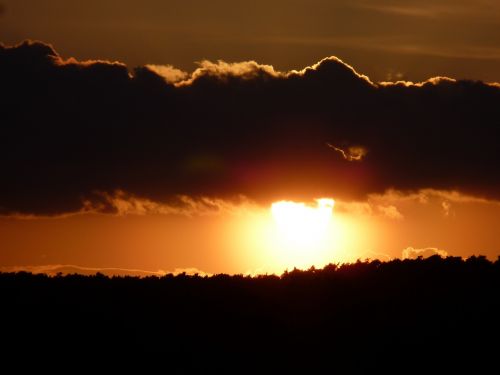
[(302, 225), (303, 233)]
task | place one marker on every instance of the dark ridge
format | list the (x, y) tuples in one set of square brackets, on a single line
[(427, 315)]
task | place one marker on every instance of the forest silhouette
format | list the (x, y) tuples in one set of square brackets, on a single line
[(403, 315)]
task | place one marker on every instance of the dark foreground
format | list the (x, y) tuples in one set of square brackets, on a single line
[(406, 316)]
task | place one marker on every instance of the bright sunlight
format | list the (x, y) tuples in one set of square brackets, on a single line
[(300, 225), (304, 233)]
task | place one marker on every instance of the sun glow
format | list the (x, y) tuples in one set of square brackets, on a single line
[(287, 235), (300, 225), (304, 234)]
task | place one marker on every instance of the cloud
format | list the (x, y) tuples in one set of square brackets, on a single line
[(404, 10), (398, 205), (430, 9), (391, 212), (171, 74), (220, 70), (425, 196), (357, 208), (373, 255), (431, 81), (446, 208), (68, 269), (427, 50), (120, 203), (71, 129), (223, 71), (353, 153), (412, 253)]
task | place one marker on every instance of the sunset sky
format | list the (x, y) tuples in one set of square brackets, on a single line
[(169, 136)]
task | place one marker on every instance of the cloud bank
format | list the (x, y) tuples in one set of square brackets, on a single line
[(72, 129)]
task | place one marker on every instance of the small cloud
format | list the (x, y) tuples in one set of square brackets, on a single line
[(391, 212), (446, 208), (354, 208), (409, 11), (169, 73), (352, 153), (430, 11), (412, 253), (434, 81), (222, 71), (372, 255)]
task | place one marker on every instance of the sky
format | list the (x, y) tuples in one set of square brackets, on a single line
[(384, 39), (160, 136)]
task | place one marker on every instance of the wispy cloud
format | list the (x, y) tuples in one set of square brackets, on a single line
[(370, 254), (409, 9), (413, 253), (405, 10), (406, 44), (430, 9), (391, 212), (351, 153), (389, 204), (67, 269)]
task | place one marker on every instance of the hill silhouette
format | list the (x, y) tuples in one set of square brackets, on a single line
[(429, 315)]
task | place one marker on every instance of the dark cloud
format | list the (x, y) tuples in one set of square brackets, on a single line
[(71, 129)]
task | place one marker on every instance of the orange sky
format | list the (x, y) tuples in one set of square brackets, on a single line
[(234, 237)]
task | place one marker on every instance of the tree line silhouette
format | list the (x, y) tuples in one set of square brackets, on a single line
[(422, 314)]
